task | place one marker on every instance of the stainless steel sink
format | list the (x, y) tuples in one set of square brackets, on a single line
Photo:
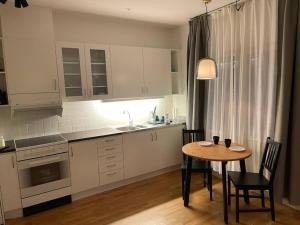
[(127, 128)]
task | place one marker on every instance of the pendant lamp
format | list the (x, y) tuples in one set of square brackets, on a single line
[(207, 67)]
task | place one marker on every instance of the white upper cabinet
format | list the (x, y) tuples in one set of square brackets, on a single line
[(157, 71), (84, 71), (71, 69), (30, 66), (127, 71), (29, 56), (98, 71), (31, 23)]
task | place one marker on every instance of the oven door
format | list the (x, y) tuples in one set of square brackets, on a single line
[(44, 174)]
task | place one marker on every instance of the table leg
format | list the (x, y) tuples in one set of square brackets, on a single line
[(243, 170), (187, 181), (224, 176)]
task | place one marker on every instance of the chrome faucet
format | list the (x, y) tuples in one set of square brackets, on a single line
[(130, 120)]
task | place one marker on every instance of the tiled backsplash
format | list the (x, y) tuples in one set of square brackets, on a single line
[(78, 116)]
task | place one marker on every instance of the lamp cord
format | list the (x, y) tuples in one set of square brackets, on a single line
[(208, 30)]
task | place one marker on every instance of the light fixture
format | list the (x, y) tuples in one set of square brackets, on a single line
[(207, 67), (18, 3)]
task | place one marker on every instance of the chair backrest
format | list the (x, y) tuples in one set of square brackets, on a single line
[(270, 158), (189, 136)]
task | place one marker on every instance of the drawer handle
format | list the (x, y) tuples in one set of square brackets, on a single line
[(111, 157), (109, 140), (111, 174), (110, 166), (109, 149)]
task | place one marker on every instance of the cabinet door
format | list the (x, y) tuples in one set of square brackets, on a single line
[(31, 66), (127, 71), (84, 165), (169, 143), (157, 71), (9, 182), (71, 69), (98, 71), (140, 154)]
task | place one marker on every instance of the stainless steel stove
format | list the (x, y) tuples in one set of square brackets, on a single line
[(44, 173)]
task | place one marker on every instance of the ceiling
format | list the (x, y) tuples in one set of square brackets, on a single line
[(172, 12)]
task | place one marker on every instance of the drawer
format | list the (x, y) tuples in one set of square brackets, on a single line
[(110, 166), (109, 150), (111, 158), (110, 141), (110, 177)]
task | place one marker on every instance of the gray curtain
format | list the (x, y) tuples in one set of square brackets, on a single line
[(287, 183), (195, 88)]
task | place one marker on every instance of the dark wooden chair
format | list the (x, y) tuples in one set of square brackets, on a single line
[(257, 181), (198, 166)]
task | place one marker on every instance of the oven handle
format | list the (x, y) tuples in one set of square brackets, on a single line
[(42, 161)]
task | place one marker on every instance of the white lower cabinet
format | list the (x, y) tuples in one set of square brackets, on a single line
[(140, 153), (169, 144), (148, 151), (9, 182), (84, 165), (111, 159)]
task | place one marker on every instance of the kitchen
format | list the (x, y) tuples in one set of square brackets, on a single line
[(94, 106), (68, 143)]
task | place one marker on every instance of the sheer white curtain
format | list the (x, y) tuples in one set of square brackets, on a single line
[(241, 101)]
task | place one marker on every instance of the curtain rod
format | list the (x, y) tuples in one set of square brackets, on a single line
[(209, 12)]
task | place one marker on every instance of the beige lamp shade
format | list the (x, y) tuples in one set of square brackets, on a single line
[(207, 69)]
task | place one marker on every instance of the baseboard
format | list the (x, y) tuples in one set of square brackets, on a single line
[(17, 213), (287, 203), (112, 186)]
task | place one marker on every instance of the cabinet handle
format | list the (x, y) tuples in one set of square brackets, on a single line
[(13, 161), (109, 149), (72, 154), (111, 174), (152, 137), (110, 166), (55, 84), (109, 140), (111, 157), (155, 136)]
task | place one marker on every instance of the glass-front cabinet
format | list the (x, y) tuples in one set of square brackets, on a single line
[(98, 71), (84, 71)]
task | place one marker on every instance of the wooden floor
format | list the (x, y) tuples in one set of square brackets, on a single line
[(156, 201)]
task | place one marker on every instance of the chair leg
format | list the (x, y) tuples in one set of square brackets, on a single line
[(182, 182), (237, 205), (204, 179), (229, 190), (272, 204), (210, 184), (262, 198)]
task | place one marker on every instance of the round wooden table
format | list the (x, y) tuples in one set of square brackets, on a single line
[(213, 153)]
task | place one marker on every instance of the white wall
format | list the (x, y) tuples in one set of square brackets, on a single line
[(81, 27)]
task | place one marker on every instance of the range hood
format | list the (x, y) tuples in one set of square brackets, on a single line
[(36, 102)]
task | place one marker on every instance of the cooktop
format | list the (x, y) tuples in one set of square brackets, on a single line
[(39, 141)]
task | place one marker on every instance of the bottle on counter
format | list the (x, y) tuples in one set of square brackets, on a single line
[(167, 119), (2, 142)]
